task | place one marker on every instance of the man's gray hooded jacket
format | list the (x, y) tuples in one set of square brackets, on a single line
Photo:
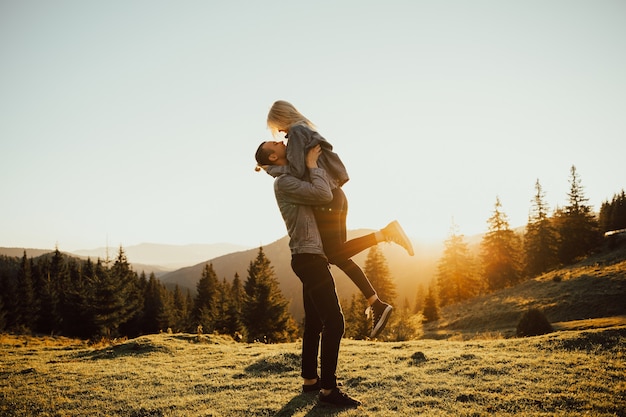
[(295, 197)]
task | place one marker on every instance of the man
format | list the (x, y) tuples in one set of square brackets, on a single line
[(323, 318), (323, 315)]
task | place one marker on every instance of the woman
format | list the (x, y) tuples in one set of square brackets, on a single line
[(331, 218)]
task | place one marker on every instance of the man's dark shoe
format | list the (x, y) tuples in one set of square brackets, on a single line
[(379, 312), (315, 387), (339, 399), (311, 388)]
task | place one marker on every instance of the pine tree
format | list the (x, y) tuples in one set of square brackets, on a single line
[(222, 305), (74, 305), (577, 227), (234, 324), (117, 297), (456, 278), (358, 326), (265, 313), (420, 296), (431, 308), (107, 303), (501, 252), (540, 239), (84, 301), (377, 271), (189, 301), (205, 310), (8, 291), (613, 214), (155, 311), (133, 291), (604, 219), (3, 314), (181, 321), (618, 218), (47, 293), (60, 277), (405, 325), (27, 307)]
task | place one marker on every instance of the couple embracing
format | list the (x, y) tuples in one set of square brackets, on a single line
[(308, 179)]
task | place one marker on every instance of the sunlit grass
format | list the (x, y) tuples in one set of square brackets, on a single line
[(566, 373)]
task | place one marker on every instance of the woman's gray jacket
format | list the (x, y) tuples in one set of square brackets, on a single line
[(301, 138), (295, 197)]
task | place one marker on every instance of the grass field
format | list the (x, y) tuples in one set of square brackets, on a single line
[(567, 373)]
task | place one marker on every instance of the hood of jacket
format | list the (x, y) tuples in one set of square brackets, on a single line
[(276, 170)]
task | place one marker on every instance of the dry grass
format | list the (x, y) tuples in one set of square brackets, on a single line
[(561, 374)]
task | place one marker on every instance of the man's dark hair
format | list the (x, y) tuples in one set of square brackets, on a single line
[(262, 155)]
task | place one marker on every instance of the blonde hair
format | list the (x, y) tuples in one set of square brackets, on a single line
[(283, 115)]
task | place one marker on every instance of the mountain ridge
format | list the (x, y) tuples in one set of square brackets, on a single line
[(145, 257), (169, 257), (407, 272)]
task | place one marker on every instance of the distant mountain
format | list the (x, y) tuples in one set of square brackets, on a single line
[(34, 253), (407, 272), (166, 257), (19, 252)]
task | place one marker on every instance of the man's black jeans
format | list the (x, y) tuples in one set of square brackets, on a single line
[(323, 318)]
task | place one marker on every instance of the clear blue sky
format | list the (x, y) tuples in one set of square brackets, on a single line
[(136, 121)]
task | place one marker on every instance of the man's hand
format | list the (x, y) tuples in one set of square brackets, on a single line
[(312, 156)]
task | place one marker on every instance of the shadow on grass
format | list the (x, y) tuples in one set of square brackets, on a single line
[(285, 363), (279, 363), (594, 340), (303, 401)]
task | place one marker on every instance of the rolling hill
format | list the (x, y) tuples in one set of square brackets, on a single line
[(407, 272)]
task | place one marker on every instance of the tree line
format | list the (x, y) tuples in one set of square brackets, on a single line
[(59, 294)]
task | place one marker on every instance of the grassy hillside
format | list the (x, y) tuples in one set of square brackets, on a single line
[(593, 288), (561, 374)]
